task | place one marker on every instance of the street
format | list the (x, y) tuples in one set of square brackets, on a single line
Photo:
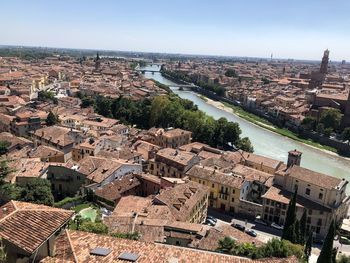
[(265, 233)]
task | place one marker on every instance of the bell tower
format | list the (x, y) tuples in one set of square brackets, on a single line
[(324, 63)]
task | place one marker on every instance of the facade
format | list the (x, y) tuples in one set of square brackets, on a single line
[(324, 197), (225, 189), (172, 163), (28, 231), (173, 138)]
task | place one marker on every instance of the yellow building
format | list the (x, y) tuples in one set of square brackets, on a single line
[(226, 190), (261, 163)]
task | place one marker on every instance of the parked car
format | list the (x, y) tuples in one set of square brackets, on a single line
[(260, 221), (251, 232), (277, 226), (344, 240), (317, 240), (239, 227), (209, 222), (212, 218)]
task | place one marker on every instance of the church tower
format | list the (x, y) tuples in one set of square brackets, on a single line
[(97, 62), (324, 63)]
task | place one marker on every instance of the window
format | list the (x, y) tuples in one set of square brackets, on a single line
[(232, 199), (307, 191), (320, 196), (233, 191), (318, 230), (310, 211), (319, 222), (267, 202), (212, 185), (308, 220), (266, 209)]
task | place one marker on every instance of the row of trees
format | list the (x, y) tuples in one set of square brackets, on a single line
[(295, 231), (329, 122), (35, 191), (172, 111), (273, 248)]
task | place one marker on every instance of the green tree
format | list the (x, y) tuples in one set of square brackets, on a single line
[(10, 191), (4, 145), (3, 254), (38, 191), (331, 118), (231, 73), (309, 123), (327, 132), (289, 225), (78, 220), (346, 135), (132, 236), (245, 145), (320, 128), (308, 247), (4, 171), (97, 228), (103, 106), (326, 255), (343, 259), (303, 228), (52, 119), (226, 245)]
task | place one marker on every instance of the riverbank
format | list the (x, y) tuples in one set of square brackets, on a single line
[(256, 120)]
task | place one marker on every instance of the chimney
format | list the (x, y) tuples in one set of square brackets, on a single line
[(294, 158)]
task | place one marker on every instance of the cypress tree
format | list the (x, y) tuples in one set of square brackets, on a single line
[(303, 228), (297, 237), (326, 255), (289, 224), (308, 247)]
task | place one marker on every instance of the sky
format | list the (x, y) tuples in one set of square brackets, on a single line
[(299, 29)]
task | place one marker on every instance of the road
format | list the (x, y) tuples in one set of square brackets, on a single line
[(265, 233)]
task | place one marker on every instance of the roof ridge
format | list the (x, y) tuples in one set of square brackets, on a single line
[(10, 214), (71, 246)]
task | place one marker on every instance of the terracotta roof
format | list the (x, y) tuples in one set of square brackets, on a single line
[(27, 225), (81, 243), (213, 175), (114, 190), (315, 178)]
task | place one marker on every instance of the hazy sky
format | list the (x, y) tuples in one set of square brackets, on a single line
[(287, 28)]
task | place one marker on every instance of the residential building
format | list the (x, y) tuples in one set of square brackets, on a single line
[(170, 162), (29, 231)]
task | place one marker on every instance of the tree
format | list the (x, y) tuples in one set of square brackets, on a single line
[(245, 145), (303, 228), (346, 135), (37, 191), (132, 236), (297, 232), (78, 220), (231, 73), (4, 147), (4, 171), (226, 245), (326, 255), (309, 123), (343, 259), (331, 118), (52, 119), (320, 128), (289, 225), (308, 247), (327, 132), (97, 228), (3, 254)]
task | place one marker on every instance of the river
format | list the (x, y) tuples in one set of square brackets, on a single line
[(268, 143)]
